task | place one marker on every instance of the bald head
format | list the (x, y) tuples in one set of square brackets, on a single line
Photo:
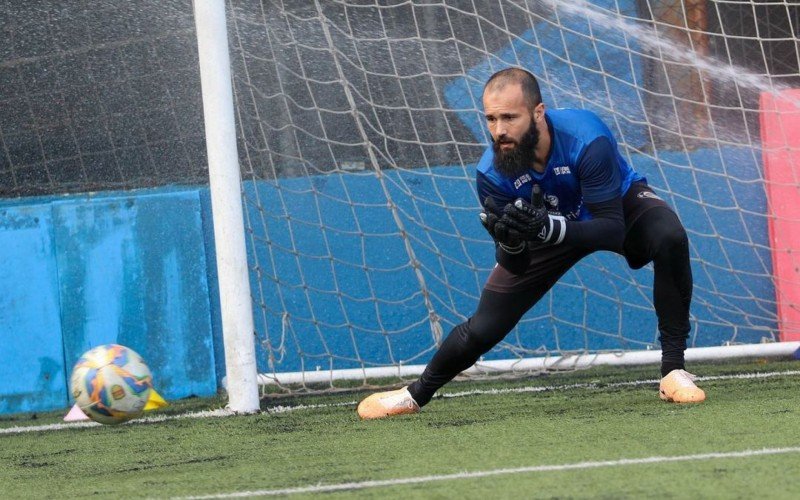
[(516, 76)]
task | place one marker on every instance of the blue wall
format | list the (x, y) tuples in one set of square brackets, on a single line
[(31, 352), (82, 271)]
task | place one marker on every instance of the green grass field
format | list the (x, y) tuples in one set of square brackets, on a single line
[(599, 433)]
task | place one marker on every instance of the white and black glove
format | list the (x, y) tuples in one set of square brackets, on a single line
[(532, 221), (509, 239)]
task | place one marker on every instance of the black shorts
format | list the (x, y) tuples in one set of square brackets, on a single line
[(549, 263)]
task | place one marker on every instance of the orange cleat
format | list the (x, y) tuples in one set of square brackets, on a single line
[(678, 387), (387, 404)]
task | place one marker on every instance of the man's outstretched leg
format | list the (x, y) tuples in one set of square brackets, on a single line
[(496, 315)]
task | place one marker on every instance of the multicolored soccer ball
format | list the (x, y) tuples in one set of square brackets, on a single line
[(111, 384)]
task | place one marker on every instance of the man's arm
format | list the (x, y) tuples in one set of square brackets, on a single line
[(601, 184), (605, 231)]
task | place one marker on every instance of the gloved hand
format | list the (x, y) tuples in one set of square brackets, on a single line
[(509, 239), (532, 221)]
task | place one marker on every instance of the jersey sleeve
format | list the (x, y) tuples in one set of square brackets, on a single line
[(599, 172)]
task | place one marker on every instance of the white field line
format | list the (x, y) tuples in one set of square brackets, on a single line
[(88, 423), (284, 409), (327, 488)]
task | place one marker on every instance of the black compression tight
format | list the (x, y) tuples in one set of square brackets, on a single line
[(659, 237), (497, 315)]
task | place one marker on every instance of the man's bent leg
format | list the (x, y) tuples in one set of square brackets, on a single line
[(672, 286), (659, 236), (672, 297)]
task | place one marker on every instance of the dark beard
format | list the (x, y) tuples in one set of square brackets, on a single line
[(516, 161)]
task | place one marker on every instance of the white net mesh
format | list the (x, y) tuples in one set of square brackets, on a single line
[(98, 95), (361, 123)]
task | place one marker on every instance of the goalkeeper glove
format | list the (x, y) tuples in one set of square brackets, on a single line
[(509, 239), (532, 220)]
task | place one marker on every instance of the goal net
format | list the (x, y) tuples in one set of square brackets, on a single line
[(360, 126)]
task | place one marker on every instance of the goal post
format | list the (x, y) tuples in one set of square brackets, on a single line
[(359, 125), (226, 204)]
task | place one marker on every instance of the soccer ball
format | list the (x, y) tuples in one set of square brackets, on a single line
[(111, 384)]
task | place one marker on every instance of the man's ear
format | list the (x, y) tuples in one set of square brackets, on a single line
[(538, 112)]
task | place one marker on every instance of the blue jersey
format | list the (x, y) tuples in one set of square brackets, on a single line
[(584, 165)]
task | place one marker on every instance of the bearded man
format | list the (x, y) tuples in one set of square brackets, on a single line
[(568, 159)]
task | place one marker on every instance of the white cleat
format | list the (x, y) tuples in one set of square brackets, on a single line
[(387, 404), (678, 387)]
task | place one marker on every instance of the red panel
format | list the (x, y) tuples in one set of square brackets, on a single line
[(780, 137)]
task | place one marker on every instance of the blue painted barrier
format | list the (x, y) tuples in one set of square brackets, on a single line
[(132, 271), (31, 356), (81, 271)]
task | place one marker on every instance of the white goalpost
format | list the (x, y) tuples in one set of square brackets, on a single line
[(359, 125), (226, 202)]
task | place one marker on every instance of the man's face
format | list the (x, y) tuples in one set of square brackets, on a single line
[(514, 133)]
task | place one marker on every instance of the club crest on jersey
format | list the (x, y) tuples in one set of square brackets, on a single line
[(522, 179), (552, 201)]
